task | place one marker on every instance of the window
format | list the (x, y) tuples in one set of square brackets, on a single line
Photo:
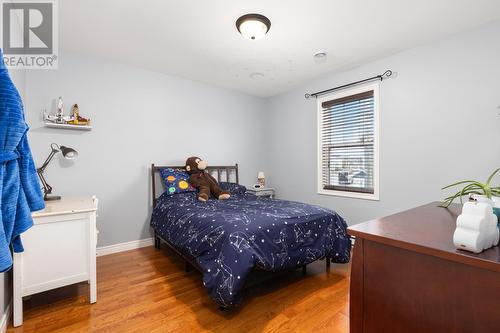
[(348, 143)]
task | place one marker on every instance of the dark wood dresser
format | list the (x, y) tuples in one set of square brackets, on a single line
[(407, 276)]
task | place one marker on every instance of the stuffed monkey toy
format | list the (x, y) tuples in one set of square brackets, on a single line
[(203, 181)]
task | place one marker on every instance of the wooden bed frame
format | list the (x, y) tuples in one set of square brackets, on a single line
[(217, 172)]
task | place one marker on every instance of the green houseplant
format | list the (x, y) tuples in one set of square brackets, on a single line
[(471, 188)]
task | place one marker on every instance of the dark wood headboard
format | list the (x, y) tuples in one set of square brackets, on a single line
[(216, 171)]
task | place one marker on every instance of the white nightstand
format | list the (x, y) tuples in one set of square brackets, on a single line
[(261, 192), (59, 250)]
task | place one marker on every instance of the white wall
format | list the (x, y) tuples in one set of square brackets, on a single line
[(439, 124), (19, 79), (139, 117)]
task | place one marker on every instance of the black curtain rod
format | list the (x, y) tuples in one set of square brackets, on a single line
[(380, 77)]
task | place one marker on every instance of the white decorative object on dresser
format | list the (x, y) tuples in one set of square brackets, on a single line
[(261, 192), (59, 250)]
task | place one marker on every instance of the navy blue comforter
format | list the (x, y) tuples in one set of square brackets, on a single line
[(228, 238)]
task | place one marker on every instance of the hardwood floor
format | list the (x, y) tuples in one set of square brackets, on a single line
[(147, 290)]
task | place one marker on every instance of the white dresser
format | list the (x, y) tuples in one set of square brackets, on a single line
[(59, 250)]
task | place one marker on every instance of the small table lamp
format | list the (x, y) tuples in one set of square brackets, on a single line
[(261, 178), (68, 153)]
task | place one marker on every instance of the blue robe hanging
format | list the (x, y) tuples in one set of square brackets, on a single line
[(19, 186)]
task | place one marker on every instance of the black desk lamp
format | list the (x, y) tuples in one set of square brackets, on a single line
[(68, 153)]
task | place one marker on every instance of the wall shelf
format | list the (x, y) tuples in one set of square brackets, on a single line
[(69, 127)]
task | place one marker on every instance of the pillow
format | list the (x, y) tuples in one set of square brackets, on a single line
[(233, 188), (176, 181)]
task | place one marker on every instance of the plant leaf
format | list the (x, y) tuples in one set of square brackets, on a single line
[(491, 176), (467, 189), (458, 183)]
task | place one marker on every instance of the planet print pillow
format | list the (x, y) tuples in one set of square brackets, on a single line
[(176, 181)]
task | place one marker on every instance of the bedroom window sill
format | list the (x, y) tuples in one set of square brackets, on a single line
[(352, 195)]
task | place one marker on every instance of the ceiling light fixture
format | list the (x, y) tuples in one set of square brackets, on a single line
[(253, 26)]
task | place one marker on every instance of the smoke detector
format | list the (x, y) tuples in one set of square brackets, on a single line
[(320, 57), (256, 75)]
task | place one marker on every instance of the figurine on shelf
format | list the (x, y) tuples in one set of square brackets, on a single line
[(60, 111), (75, 113), (76, 119)]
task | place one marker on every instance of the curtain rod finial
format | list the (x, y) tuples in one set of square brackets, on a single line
[(307, 96)]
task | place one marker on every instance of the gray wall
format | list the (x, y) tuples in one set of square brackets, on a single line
[(139, 117), (19, 79), (439, 123)]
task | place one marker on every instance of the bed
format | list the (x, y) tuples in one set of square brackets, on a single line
[(227, 239)]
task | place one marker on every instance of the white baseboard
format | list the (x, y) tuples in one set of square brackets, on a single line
[(4, 321), (115, 248)]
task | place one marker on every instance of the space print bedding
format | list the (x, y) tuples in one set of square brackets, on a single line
[(229, 238)]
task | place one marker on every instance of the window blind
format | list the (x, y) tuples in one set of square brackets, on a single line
[(347, 143)]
